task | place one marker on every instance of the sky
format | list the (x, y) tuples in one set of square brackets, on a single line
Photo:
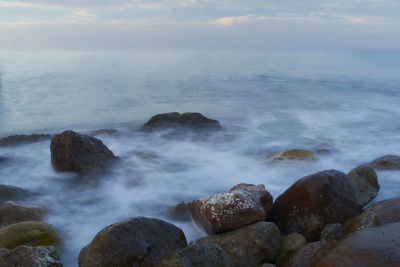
[(199, 24)]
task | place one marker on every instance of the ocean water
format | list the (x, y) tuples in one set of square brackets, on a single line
[(345, 101)]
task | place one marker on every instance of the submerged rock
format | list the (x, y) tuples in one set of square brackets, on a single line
[(314, 201), (242, 205), (28, 233), (294, 154), (192, 121), (137, 241), (11, 212), (179, 212), (22, 139), (75, 152), (366, 183), (250, 245), (289, 245), (24, 256), (10, 192), (388, 162)]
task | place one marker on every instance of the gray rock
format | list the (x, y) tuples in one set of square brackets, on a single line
[(331, 231), (388, 162), (366, 183), (22, 139), (25, 256), (10, 192)]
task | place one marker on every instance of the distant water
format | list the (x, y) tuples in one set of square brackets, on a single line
[(347, 102)]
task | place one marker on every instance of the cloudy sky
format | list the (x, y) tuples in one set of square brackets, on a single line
[(204, 24)]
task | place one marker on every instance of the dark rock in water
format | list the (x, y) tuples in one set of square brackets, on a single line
[(22, 139), (242, 205), (375, 246), (294, 155), (11, 212), (381, 213), (193, 121), (304, 255), (204, 254), (78, 153), (314, 201), (366, 183), (179, 212), (9, 192), (388, 162), (250, 245), (24, 256), (137, 241), (2, 159), (331, 231), (103, 131)]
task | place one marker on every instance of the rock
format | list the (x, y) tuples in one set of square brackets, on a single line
[(108, 131), (304, 255), (2, 159), (138, 241), (179, 212), (314, 201), (78, 153), (22, 139), (331, 231), (28, 233), (365, 181), (268, 265), (24, 256), (250, 245), (294, 154), (9, 192), (381, 213), (375, 246), (11, 212), (242, 205), (388, 162), (289, 245), (192, 121), (204, 254)]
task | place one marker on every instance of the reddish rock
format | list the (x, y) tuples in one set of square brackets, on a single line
[(314, 201), (24, 256), (303, 256), (11, 212), (375, 246), (78, 153), (242, 205), (381, 213), (366, 183), (388, 162)]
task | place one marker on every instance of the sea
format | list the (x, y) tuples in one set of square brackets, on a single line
[(345, 103)]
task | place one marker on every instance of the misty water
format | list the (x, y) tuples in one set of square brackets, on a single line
[(347, 103)]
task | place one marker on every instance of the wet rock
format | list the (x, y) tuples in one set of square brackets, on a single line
[(388, 162), (250, 245), (24, 256), (294, 154), (303, 256), (365, 181), (204, 254), (11, 212), (381, 213), (192, 121), (137, 241), (375, 246), (289, 245), (314, 201), (331, 231), (9, 192), (268, 265), (78, 153), (179, 212), (28, 233), (22, 139), (242, 205), (108, 131)]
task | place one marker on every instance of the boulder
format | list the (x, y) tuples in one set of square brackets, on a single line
[(204, 254), (11, 212), (9, 192), (242, 205), (375, 246), (366, 183), (138, 241), (314, 201), (250, 245), (22, 139), (179, 212), (388, 162), (24, 256), (75, 152), (331, 231), (294, 154), (304, 255), (381, 213), (191, 121), (28, 233), (289, 245)]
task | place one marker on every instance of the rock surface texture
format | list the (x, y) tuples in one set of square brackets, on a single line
[(294, 154), (11, 212), (314, 201), (242, 205), (24, 256), (289, 245), (366, 183), (304, 255), (138, 241), (388, 162)]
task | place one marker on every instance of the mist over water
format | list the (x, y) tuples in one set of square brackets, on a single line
[(347, 102)]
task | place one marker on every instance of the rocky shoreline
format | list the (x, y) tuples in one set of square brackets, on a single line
[(320, 220)]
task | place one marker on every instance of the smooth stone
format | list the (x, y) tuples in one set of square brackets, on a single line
[(331, 231), (366, 183), (289, 245), (304, 255), (11, 212), (294, 154), (22, 139), (179, 212), (388, 162), (10, 192)]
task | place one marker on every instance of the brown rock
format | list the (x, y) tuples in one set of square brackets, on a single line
[(242, 205), (375, 246), (11, 212), (21, 139), (304, 255), (289, 245), (78, 153), (24, 256), (179, 212), (137, 241), (381, 213), (294, 154), (250, 245), (388, 162), (331, 231), (314, 201), (365, 181)]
